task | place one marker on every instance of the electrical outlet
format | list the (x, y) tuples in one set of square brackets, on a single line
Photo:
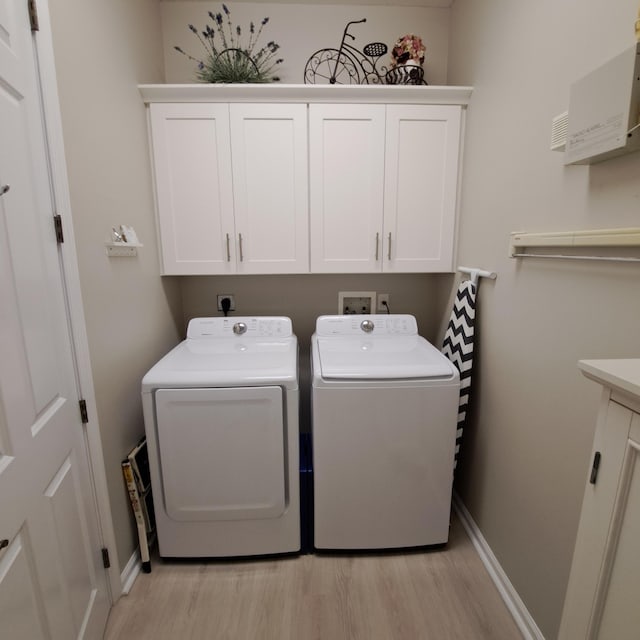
[(229, 296), (356, 302), (383, 303)]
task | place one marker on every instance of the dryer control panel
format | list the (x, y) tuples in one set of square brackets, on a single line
[(370, 325), (248, 327)]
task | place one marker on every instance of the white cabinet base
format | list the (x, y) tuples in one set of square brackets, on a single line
[(602, 596)]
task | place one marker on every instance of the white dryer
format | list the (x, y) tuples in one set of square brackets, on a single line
[(221, 418), (384, 414)]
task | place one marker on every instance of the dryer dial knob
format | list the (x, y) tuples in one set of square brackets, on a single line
[(239, 328), (367, 326)]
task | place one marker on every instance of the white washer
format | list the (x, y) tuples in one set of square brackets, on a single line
[(384, 414), (221, 418)]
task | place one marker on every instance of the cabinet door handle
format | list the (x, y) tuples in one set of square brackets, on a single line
[(389, 251), (377, 246), (228, 251), (4, 543), (594, 467), (240, 242)]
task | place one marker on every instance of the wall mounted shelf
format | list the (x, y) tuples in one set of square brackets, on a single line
[(600, 238), (122, 249), (292, 93)]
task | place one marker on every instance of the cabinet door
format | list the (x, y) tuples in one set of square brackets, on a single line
[(420, 191), (270, 186), (346, 187), (192, 162), (616, 613), (611, 441)]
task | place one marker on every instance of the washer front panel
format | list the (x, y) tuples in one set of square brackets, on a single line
[(372, 325), (274, 327), (221, 453)]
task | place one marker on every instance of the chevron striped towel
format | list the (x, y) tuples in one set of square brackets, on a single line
[(458, 347)]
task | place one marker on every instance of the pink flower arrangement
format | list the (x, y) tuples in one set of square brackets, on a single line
[(407, 48)]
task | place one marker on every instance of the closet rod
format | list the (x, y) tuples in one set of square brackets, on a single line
[(561, 256)]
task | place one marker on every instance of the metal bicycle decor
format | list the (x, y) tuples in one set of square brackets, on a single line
[(346, 65), (349, 65)]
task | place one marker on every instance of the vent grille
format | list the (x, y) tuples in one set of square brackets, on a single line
[(559, 131)]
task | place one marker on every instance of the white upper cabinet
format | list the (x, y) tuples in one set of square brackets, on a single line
[(231, 185), (383, 185), (297, 179)]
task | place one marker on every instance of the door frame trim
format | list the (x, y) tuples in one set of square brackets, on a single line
[(71, 278)]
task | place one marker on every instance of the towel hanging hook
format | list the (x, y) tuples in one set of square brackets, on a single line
[(475, 273)]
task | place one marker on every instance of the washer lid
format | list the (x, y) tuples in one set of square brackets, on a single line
[(213, 354), (382, 358)]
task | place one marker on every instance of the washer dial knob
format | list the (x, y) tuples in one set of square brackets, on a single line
[(367, 326)]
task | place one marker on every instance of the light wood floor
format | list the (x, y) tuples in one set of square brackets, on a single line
[(436, 595)]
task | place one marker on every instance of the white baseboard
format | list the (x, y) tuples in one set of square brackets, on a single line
[(516, 607), (130, 572)]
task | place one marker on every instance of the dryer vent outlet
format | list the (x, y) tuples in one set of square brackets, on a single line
[(356, 302)]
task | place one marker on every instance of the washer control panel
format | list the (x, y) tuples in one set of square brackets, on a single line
[(248, 327), (393, 324)]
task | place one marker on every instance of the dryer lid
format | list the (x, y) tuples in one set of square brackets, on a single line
[(213, 354)]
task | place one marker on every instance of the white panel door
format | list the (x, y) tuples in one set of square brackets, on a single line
[(221, 453), (421, 170), (52, 584), (194, 191), (346, 182), (270, 177)]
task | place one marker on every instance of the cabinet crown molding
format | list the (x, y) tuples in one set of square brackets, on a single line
[(290, 93)]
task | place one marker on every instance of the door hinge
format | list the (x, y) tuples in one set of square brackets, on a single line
[(106, 563), (57, 224), (33, 15), (83, 411)]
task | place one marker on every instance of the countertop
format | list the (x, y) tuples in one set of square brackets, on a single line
[(622, 375)]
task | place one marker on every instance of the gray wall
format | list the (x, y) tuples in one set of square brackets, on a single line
[(102, 51), (301, 29), (526, 453)]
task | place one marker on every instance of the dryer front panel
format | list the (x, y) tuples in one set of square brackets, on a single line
[(222, 453)]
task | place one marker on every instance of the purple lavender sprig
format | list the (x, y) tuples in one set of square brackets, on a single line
[(226, 60)]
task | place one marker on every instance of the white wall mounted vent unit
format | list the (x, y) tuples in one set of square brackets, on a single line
[(604, 111), (559, 132)]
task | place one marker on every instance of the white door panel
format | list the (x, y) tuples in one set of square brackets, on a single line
[(346, 187), (52, 583), (269, 154), (21, 613), (222, 453), (192, 162), (422, 150)]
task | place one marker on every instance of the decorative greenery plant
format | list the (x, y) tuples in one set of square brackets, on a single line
[(227, 58)]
